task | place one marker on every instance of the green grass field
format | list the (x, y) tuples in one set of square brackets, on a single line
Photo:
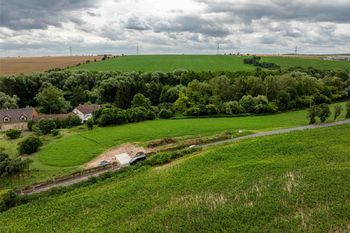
[(296, 182), (75, 148), (288, 62), (169, 63)]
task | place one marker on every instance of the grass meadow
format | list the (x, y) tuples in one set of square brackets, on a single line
[(75, 147), (169, 63), (296, 182)]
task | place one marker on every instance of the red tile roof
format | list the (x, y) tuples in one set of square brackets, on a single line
[(88, 108)]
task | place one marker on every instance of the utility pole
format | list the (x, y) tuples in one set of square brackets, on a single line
[(296, 50)]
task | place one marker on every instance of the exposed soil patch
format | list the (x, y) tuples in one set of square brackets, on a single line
[(109, 155)]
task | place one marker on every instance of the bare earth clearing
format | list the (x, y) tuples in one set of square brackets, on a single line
[(26, 65)]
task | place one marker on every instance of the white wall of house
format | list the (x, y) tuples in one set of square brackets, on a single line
[(83, 117)]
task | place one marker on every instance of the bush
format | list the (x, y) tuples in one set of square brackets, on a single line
[(90, 124), (324, 112), (312, 113), (248, 103), (140, 114), (55, 132), (337, 111), (111, 116), (73, 121), (29, 145), (165, 114), (211, 109), (8, 199), (140, 100), (233, 107), (13, 133), (30, 125), (45, 126), (347, 107)]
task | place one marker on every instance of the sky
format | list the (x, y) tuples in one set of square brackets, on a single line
[(51, 27)]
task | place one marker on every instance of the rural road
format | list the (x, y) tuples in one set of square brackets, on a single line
[(84, 177)]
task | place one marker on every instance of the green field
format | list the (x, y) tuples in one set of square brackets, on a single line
[(296, 182), (288, 62), (169, 63), (77, 147)]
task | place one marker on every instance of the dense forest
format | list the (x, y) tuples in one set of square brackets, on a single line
[(157, 94)]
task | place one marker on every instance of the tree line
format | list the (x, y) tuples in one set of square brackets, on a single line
[(180, 92)]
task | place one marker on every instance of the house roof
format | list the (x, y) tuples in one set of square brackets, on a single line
[(88, 108), (16, 114)]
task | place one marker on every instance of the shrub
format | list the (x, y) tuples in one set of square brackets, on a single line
[(110, 116), (211, 109), (90, 124), (8, 199), (140, 114), (55, 132), (73, 121), (324, 112), (30, 125), (165, 114), (337, 111), (140, 100), (347, 107), (29, 145), (248, 103), (312, 113), (13, 133), (233, 107), (45, 126)]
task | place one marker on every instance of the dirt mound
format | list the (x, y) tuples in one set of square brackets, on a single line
[(109, 155)]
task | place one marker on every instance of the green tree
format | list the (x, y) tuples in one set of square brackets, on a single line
[(337, 111), (324, 112), (312, 113), (140, 100), (7, 101), (45, 126), (52, 100)]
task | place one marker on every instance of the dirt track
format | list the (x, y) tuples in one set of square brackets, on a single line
[(78, 179)]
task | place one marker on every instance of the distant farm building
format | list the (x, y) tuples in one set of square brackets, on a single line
[(16, 118), (84, 111)]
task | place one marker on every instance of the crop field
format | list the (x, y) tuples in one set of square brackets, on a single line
[(297, 182), (25, 65), (74, 149), (288, 62), (169, 63)]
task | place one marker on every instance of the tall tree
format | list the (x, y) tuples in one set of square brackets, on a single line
[(51, 100), (7, 101)]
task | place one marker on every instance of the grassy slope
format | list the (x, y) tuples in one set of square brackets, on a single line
[(76, 147), (296, 182), (80, 148), (288, 62), (169, 63)]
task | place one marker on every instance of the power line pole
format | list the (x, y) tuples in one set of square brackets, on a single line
[(296, 50)]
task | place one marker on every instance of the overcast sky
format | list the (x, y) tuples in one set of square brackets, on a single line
[(50, 27)]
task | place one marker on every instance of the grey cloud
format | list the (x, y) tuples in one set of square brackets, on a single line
[(134, 23), (192, 24), (331, 11), (39, 14)]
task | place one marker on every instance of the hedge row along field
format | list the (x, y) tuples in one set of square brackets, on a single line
[(270, 184)]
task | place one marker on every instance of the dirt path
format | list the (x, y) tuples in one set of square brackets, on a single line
[(134, 148)]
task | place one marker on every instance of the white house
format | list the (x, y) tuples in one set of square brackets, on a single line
[(84, 111)]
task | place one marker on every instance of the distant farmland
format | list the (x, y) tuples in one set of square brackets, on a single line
[(169, 63), (25, 65)]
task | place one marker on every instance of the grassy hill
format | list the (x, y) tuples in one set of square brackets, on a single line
[(296, 182), (73, 149), (169, 63)]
